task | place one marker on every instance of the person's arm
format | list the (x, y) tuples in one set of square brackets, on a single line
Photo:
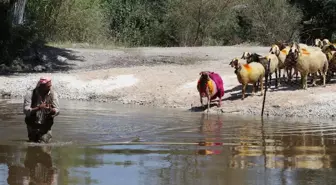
[(27, 110), (54, 104)]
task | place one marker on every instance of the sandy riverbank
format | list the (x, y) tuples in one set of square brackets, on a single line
[(166, 77)]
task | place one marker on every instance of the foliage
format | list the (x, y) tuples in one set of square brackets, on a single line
[(69, 20), (166, 22), (272, 20), (14, 40), (318, 19)]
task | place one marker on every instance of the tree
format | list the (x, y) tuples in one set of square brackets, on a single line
[(318, 20), (18, 11)]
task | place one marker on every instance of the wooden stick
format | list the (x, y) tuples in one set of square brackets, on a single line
[(266, 85)]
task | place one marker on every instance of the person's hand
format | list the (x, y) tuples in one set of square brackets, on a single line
[(44, 106)]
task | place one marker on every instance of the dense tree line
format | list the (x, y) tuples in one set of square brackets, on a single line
[(163, 22)]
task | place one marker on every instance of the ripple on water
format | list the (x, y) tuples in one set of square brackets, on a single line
[(185, 143)]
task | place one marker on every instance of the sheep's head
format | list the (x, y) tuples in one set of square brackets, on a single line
[(275, 50), (328, 48), (234, 63), (318, 43), (204, 75), (254, 57), (203, 81), (294, 51), (325, 42), (246, 55)]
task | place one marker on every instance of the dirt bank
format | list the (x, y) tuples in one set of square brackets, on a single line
[(166, 77)]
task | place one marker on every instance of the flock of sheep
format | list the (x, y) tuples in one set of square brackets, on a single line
[(252, 68), (306, 60)]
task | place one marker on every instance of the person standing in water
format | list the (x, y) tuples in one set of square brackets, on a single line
[(40, 107)]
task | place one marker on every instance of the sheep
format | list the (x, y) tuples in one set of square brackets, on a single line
[(325, 42), (286, 63), (309, 61), (318, 43), (243, 60), (330, 51), (236, 60), (245, 55), (210, 85), (321, 43), (274, 64), (281, 53), (290, 64), (282, 46), (249, 73)]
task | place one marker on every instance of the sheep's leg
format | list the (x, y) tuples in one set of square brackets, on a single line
[(311, 78), (208, 103), (324, 76), (320, 75), (201, 99), (297, 74), (279, 76), (304, 80), (261, 86), (220, 101), (276, 78), (257, 85), (270, 80), (253, 88), (289, 75), (314, 75), (329, 75), (243, 91)]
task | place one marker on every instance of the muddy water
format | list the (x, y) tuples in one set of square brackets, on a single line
[(98, 143)]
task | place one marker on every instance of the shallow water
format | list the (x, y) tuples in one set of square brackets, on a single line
[(98, 143)]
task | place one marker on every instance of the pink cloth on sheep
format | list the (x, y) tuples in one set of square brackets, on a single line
[(219, 84)]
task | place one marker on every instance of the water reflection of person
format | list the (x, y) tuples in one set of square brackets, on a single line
[(38, 168)]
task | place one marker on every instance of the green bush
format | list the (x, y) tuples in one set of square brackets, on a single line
[(69, 20)]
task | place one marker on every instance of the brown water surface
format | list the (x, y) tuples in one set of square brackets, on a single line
[(98, 143)]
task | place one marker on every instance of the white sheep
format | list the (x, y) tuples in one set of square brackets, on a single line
[(309, 61), (264, 60), (281, 53), (325, 42), (237, 61), (243, 60), (318, 43), (245, 55), (249, 74), (330, 51)]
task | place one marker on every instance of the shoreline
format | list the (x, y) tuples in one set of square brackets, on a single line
[(173, 84)]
